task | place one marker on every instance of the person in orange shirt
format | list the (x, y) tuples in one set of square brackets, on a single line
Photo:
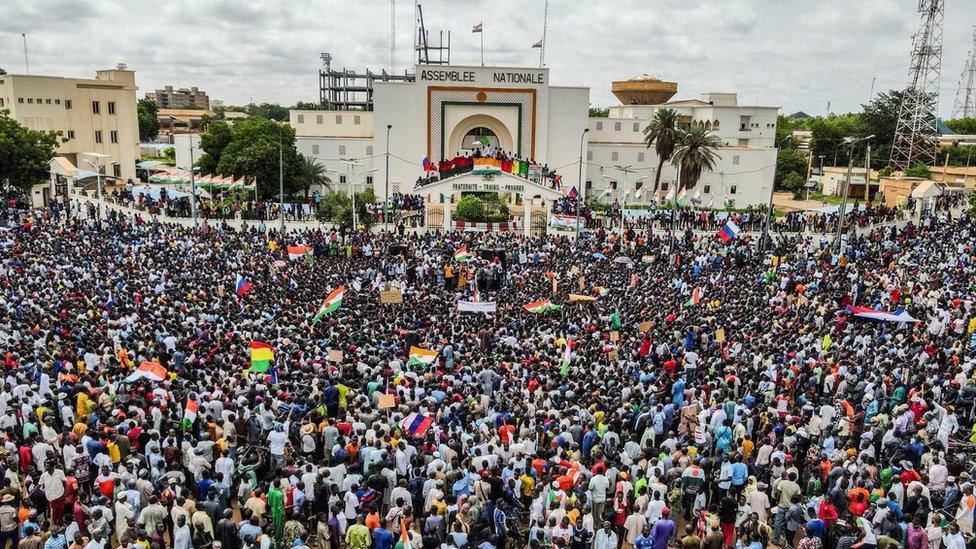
[(506, 431), (372, 520)]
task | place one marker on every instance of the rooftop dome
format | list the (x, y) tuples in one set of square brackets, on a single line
[(644, 90)]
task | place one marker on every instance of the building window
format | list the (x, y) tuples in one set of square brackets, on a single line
[(20, 99), (342, 180), (636, 126), (111, 107), (640, 157), (98, 136), (30, 100), (57, 101), (369, 150), (356, 119), (732, 189), (614, 156), (39, 100), (113, 136), (715, 124), (117, 170), (318, 118), (301, 119), (735, 160), (338, 119), (369, 180), (67, 103), (315, 149), (731, 203), (616, 126), (589, 186), (599, 126), (589, 156), (71, 134), (707, 189), (664, 186), (1, 101), (342, 150), (96, 107), (48, 101)]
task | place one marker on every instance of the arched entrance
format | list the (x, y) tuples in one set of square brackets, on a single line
[(473, 128)]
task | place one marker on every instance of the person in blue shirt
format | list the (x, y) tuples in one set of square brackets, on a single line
[(740, 474), (383, 537), (644, 540), (678, 392)]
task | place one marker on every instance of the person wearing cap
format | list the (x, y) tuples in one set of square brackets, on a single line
[(9, 525)]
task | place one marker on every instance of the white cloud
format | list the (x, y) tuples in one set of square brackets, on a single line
[(793, 53)]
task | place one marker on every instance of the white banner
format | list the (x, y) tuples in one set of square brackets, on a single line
[(477, 306)]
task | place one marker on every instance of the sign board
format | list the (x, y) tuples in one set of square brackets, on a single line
[(391, 296), (574, 270), (482, 77), (645, 326), (335, 355), (488, 186), (720, 335), (386, 400), (579, 297), (477, 306), (615, 336)]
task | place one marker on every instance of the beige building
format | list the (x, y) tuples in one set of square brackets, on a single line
[(182, 98), (94, 115)]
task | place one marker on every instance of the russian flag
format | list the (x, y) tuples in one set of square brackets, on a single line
[(242, 286), (573, 193), (898, 315), (417, 424), (428, 167), (728, 231)]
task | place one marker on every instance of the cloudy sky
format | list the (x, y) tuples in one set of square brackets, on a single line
[(796, 54)]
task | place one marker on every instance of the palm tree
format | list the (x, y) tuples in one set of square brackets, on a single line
[(313, 174), (696, 152), (663, 133)]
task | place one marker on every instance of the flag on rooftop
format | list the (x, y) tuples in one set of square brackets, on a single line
[(537, 44), (478, 27)]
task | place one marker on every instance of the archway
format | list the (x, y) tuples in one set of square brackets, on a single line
[(483, 124)]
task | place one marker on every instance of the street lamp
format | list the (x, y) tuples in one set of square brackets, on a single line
[(191, 169), (580, 195), (847, 182), (98, 167), (351, 171), (386, 193)]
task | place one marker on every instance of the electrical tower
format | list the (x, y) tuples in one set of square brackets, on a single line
[(916, 136), (965, 104)]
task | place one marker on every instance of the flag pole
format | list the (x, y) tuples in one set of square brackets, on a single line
[(482, 33)]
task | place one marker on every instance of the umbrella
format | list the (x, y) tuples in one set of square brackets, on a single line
[(624, 260), (598, 255)]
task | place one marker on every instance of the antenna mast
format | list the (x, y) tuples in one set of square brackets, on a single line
[(915, 132), (965, 104)]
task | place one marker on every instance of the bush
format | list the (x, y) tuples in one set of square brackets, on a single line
[(476, 209), (793, 182), (919, 170), (886, 172)]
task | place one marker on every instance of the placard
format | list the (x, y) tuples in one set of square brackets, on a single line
[(574, 270), (391, 296), (581, 282), (477, 306), (335, 355), (720, 335), (579, 297), (615, 336), (645, 326), (386, 400)]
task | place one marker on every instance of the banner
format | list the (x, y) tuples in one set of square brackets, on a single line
[(578, 297), (564, 222), (391, 296), (477, 306)]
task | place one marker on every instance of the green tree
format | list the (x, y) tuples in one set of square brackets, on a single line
[(919, 170), (2, 72), (307, 106), (663, 134), (789, 161), (598, 112), (253, 151), (148, 120), (962, 126), (793, 182), (24, 154), (829, 134), (313, 173), (470, 208), (269, 111), (697, 152), (213, 142), (336, 206), (169, 156)]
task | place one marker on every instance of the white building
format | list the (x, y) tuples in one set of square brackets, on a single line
[(447, 108)]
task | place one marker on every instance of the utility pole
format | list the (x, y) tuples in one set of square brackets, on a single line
[(846, 186), (867, 174), (579, 196), (193, 189), (386, 195), (26, 61)]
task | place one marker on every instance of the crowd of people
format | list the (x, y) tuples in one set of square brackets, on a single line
[(619, 392)]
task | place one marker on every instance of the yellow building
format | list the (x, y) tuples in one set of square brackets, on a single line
[(94, 115)]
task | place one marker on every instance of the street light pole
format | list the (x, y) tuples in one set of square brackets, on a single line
[(579, 195), (386, 195), (843, 198), (193, 189), (281, 187)]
